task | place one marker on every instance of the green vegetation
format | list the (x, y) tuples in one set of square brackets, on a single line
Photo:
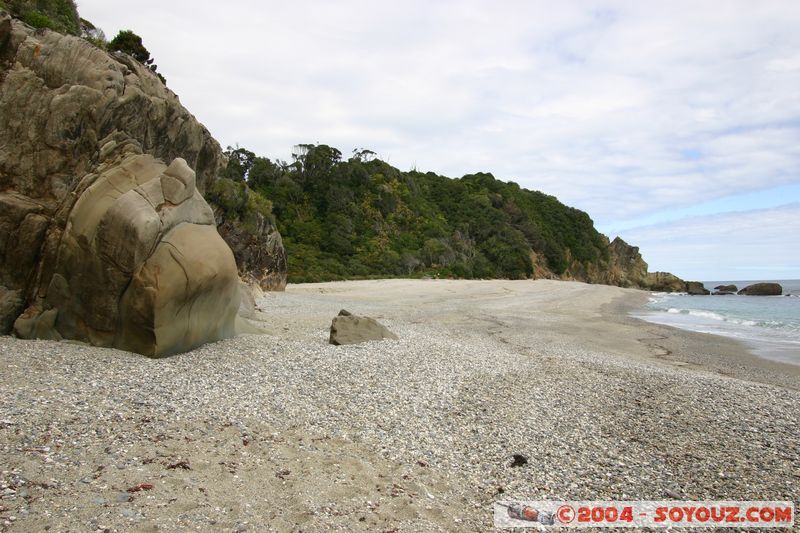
[(57, 15), (128, 42), (62, 16), (361, 217)]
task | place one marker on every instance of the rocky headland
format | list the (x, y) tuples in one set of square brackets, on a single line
[(104, 232)]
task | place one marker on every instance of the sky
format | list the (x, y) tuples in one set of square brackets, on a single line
[(675, 125)]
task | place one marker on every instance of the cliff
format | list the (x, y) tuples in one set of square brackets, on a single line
[(79, 123)]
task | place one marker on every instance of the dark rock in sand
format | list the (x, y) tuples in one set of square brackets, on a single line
[(696, 288), (348, 328), (762, 289)]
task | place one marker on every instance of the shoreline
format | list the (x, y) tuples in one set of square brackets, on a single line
[(709, 352), (420, 433)]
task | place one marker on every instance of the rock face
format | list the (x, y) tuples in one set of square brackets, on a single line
[(695, 288), (627, 268), (259, 254), (624, 267), (138, 266), (100, 240), (762, 289), (665, 282), (351, 329)]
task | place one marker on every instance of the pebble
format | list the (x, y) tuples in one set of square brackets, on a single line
[(445, 399)]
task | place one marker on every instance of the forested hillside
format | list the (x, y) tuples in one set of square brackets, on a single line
[(59, 15), (360, 217)]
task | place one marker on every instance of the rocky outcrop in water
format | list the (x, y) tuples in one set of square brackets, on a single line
[(101, 240), (724, 290), (696, 288), (762, 289)]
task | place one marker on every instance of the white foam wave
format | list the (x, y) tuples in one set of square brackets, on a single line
[(710, 315)]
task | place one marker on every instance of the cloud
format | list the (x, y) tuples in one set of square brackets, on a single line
[(619, 108), (757, 244)]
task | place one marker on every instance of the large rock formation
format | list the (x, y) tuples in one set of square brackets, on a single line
[(696, 288), (627, 268), (139, 264), (99, 240), (762, 289)]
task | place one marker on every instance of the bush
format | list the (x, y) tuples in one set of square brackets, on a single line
[(56, 15), (128, 42)]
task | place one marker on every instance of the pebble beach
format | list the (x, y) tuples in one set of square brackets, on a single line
[(285, 432)]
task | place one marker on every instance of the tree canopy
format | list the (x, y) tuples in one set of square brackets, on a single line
[(361, 217), (57, 15), (128, 42)]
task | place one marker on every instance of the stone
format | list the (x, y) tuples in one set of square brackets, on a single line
[(696, 288), (763, 289), (103, 227), (726, 289), (347, 328), (152, 279)]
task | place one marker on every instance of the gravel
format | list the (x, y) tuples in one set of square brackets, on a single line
[(285, 431)]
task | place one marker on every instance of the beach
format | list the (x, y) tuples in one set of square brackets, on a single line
[(283, 431)]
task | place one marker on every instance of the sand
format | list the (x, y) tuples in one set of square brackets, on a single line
[(284, 432)]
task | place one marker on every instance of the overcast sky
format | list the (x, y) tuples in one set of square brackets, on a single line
[(675, 125)]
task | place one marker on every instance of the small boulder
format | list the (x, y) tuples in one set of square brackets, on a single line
[(762, 289), (726, 289), (348, 328), (696, 288)]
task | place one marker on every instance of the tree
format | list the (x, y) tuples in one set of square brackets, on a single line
[(57, 15), (128, 42), (240, 161)]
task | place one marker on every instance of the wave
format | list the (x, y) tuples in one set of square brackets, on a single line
[(771, 324)]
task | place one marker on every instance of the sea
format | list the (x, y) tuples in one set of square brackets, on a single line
[(769, 325)]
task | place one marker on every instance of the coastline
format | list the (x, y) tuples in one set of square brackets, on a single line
[(704, 351), (285, 430)]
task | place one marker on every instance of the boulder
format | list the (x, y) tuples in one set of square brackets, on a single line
[(696, 288), (762, 289), (722, 293), (726, 289), (351, 329), (100, 240), (139, 265)]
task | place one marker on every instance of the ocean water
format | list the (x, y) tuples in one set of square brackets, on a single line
[(769, 325)]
